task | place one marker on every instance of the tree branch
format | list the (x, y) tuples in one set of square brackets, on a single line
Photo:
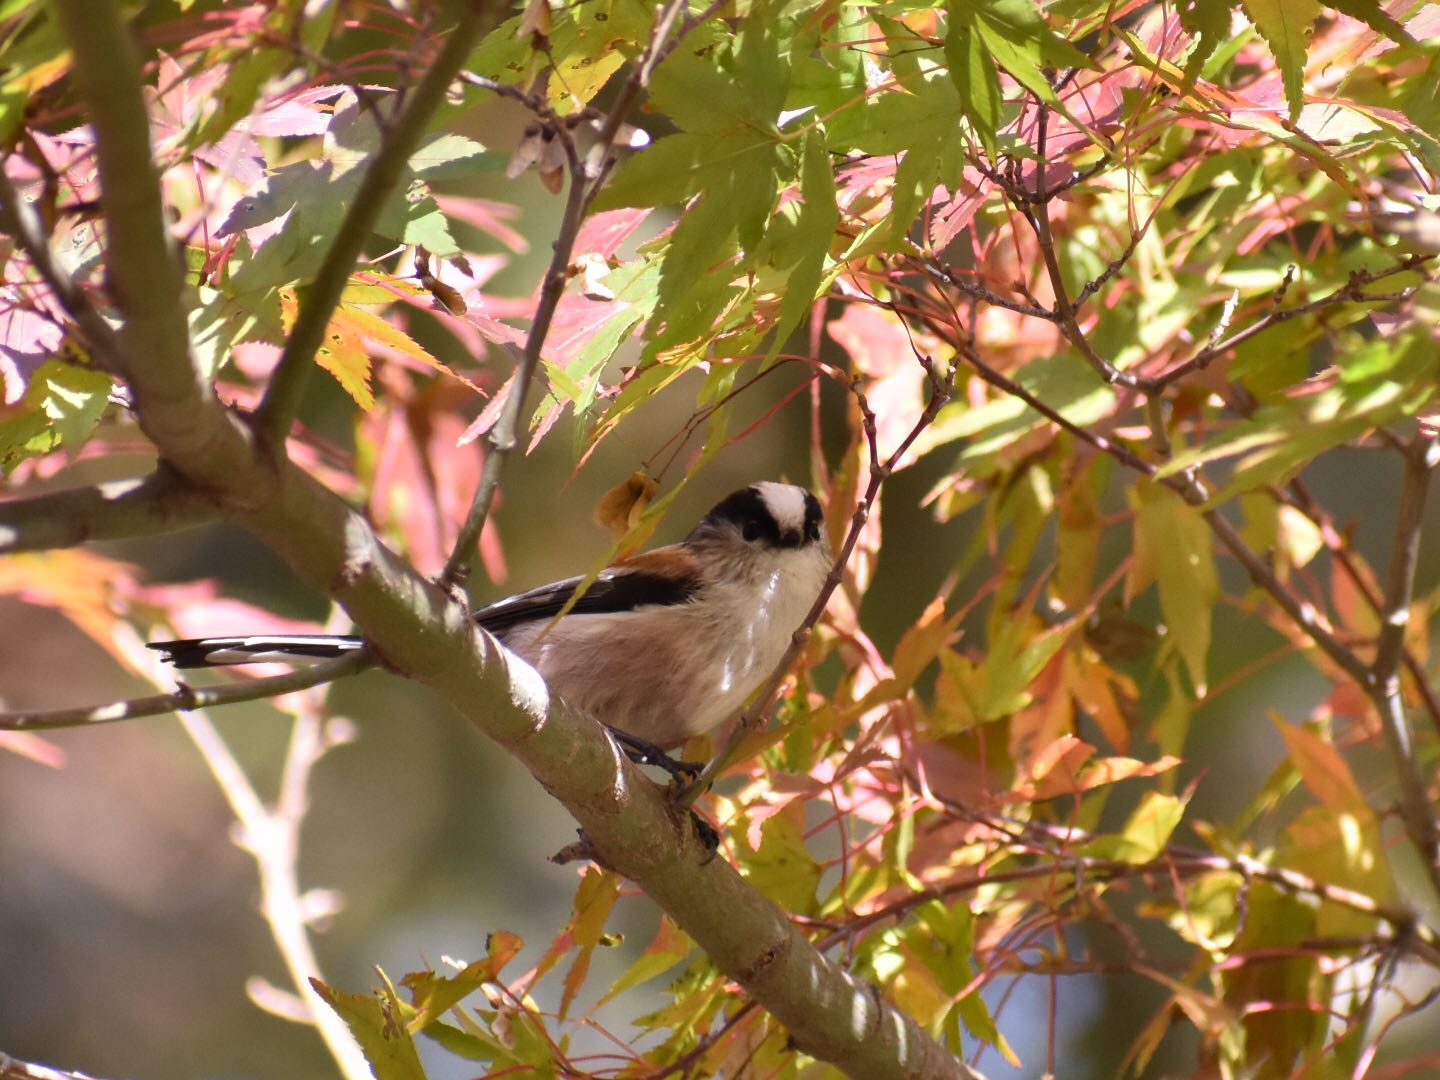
[(188, 697), (398, 144), (175, 405), (117, 510), (1298, 497), (584, 183), (1421, 456), (1351, 291), (143, 268), (15, 1069), (20, 221), (418, 631)]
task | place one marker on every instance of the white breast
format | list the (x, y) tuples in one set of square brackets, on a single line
[(666, 673)]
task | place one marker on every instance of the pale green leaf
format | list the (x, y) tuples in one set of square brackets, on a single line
[(71, 397), (377, 1022), (1286, 25), (1173, 543)]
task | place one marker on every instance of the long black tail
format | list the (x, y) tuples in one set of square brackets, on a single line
[(221, 651)]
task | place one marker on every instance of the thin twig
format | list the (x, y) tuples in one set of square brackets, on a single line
[(1414, 935), (188, 697), (398, 144), (20, 220), (1419, 817), (582, 189), (1351, 291), (1039, 219), (1188, 486), (1384, 681), (936, 269), (1298, 497), (1117, 450), (688, 1061), (880, 471)]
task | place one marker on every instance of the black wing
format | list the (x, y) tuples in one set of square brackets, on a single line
[(612, 591), (621, 589)]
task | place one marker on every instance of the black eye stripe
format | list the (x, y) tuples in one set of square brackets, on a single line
[(814, 518), (747, 513)]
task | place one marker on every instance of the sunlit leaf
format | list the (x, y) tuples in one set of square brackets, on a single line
[(1175, 549), (376, 1022), (1286, 26)]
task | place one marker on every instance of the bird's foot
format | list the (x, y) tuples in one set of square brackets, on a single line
[(709, 836), (642, 752)]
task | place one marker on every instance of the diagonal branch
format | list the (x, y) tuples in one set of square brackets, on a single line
[(416, 629), (15, 1069), (160, 503), (176, 406), (398, 144), (23, 223), (1353, 291), (143, 267)]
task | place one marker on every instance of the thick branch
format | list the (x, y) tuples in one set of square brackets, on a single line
[(418, 631), (15, 1069), (112, 511), (382, 175), (143, 268), (415, 628)]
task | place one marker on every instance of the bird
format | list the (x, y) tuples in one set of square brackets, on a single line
[(660, 646)]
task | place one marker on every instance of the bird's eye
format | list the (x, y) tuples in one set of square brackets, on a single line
[(751, 531)]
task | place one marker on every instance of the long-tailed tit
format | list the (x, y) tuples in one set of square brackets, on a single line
[(659, 647)]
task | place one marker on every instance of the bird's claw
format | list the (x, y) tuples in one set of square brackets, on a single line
[(682, 773)]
